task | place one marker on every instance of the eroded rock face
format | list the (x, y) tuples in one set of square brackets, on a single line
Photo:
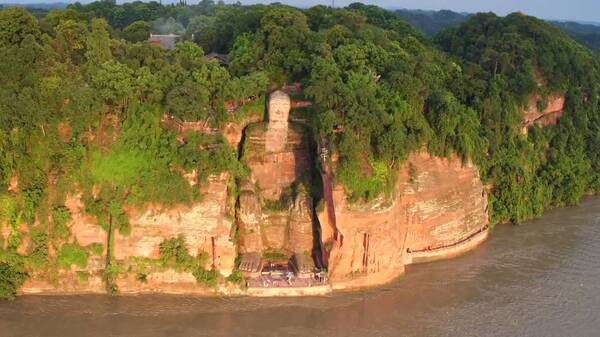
[(13, 184), (84, 227), (85, 231), (204, 227), (233, 131), (548, 116), (75, 280), (437, 203), (368, 245), (445, 201), (168, 281), (233, 134)]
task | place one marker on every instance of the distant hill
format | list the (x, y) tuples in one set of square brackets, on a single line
[(585, 33), (593, 23), (432, 22), (40, 5)]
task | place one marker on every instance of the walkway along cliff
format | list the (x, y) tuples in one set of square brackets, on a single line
[(272, 228)]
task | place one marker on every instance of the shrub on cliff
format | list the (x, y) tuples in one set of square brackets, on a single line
[(12, 276), (236, 277), (72, 254), (60, 217), (174, 254), (208, 278), (38, 256)]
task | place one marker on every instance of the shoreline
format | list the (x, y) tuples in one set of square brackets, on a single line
[(448, 252), (359, 284)]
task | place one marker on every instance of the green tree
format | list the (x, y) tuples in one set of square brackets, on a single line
[(16, 24), (137, 31), (285, 32), (244, 55), (114, 82), (188, 55), (204, 30), (98, 43), (71, 36), (189, 101)]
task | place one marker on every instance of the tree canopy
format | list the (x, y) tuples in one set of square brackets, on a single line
[(505, 61)]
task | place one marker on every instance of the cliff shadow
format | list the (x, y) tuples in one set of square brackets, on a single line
[(312, 177)]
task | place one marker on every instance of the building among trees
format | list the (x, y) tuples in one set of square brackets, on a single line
[(166, 42)]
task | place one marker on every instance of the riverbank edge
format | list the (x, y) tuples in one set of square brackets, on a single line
[(444, 253), (358, 284)]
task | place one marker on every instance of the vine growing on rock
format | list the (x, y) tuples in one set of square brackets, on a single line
[(174, 254)]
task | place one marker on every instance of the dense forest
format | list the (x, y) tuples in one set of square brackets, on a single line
[(521, 55), (83, 93), (586, 34), (433, 22)]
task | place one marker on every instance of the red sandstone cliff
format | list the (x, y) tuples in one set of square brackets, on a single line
[(205, 227), (548, 116), (438, 210)]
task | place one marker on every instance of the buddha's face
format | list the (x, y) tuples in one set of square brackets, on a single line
[(279, 107), (278, 115)]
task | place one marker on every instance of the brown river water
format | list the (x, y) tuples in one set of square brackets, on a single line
[(538, 279)]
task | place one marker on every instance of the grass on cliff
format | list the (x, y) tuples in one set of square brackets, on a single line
[(38, 257), (60, 217), (274, 254), (236, 277), (251, 111), (72, 254), (174, 254)]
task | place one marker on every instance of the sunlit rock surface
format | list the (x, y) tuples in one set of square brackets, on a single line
[(275, 210), (547, 116), (437, 203), (204, 225), (437, 210)]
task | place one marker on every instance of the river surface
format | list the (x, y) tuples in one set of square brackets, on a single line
[(538, 279)]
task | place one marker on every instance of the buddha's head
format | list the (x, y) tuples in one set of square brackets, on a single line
[(279, 108)]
